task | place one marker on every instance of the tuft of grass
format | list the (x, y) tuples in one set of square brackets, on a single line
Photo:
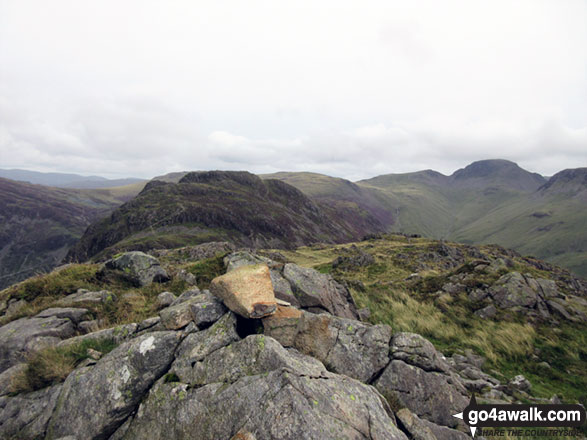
[(52, 365), (57, 283), (206, 270)]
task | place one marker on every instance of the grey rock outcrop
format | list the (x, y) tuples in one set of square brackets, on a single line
[(86, 296), (345, 346), (267, 390), (430, 395), (95, 400), (315, 290), (138, 268), (27, 335), (203, 310), (25, 417)]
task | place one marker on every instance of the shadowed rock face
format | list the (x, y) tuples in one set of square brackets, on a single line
[(252, 212)]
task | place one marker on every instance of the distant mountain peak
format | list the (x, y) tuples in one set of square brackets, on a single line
[(498, 172), (571, 181)]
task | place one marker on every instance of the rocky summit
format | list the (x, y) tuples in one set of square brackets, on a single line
[(198, 344)]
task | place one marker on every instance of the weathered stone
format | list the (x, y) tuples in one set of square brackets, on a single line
[(8, 375), (243, 258), (25, 416), (486, 312), (189, 278), (512, 290), (148, 323), (415, 350), (165, 299), (282, 288), (203, 310), (74, 315), (139, 268), (444, 433), (177, 316), (91, 326), (314, 289), (206, 309), (520, 383), (559, 308), (364, 314), (283, 325), (26, 335), (431, 395), (14, 307), (118, 334), (85, 296), (256, 354), (345, 346), (260, 387), (478, 295), (190, 293), (412, 424), (246, 291), (196, 346), (94, 401)]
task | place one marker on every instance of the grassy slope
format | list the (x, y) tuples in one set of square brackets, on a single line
[(511, 345), (469, 210)]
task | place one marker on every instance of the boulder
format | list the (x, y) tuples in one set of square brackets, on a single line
[(14, 306), (86, 296), (203, 310), (206, 309), (25, 416), (118, 334), (282, 288), (196, 346), (246, 291), (190, 293), (444, 433), (244, 258), (356, 349), (73, 314), (411, 423), (520, 383), (487, 312), (27, 335), (415, 350), (283, 325), (95, 400), (165, 299), (316, 290), (138, 268), (8, 375), (512, 290), (430, 395), (177, 316), (257, 386)]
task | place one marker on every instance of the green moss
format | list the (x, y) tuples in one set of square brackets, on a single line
[(171, 377)]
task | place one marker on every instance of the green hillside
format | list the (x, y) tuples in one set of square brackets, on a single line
[(492, 201)]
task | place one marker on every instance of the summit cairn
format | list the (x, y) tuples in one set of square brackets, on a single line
[(246, 291)]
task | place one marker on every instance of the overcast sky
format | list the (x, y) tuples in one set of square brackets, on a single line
[(351, 89)]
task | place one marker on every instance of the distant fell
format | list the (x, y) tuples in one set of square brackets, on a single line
[(65, 180), (209, 206), (497, 172)]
